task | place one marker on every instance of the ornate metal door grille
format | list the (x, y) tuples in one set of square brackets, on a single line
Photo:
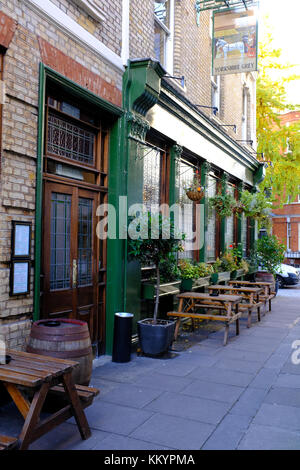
[(68, 140)]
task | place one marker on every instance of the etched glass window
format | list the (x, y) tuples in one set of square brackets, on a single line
[(60, 241), (151, 182), (229, 224), (186, 214), (85, 237), (244, 235), (211, 221), (69, 140)]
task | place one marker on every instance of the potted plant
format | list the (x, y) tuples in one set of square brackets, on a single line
[(229, 263), (155, 240), (194, 190), (216, 267), (187, 274), (203, 274), (194, 275), (223, 204), (270, 254)]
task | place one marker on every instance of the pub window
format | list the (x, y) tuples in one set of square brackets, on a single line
[(244, 237), (155, 177), (230, 224), (187, 214), (212, 228)]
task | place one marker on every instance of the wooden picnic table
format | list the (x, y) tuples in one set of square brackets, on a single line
[(250, 297), (267, 296), (191, 301), (39, 374)]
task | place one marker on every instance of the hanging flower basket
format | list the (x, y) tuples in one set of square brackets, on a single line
[(194, 191), (195, 195)]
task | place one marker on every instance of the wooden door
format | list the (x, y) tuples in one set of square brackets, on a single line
[(70, 254)]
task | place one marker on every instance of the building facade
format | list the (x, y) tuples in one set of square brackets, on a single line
[(94, 111)]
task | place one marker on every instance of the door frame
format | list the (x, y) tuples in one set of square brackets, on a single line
[(115, 113)]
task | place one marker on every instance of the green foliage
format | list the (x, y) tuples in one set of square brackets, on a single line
[(256, 205), (186, 269), (224, 204), (156, 240), (284, 174), (217, 266), (168, 270), (269, 253), (203, 269), (229, 261), (190, 270)]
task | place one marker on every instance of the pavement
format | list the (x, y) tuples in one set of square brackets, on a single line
[(243, 396)]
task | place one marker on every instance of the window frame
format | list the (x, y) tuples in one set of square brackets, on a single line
[(168, 52)]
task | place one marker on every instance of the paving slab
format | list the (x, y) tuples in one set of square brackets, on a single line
[(174, 432), (249, 402), (280, 416), (265, 378), (114, 418), (218, 392), (218, 375), (131, 395), (269, 438), (283, 396), (228, 434), (199, 409)]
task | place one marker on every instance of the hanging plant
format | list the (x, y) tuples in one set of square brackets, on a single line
[(193, 190), (256, 205), (239, 208), (224, 204)]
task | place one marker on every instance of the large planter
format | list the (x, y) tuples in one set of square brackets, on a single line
[(264, 276), (214, 278), (225, 276), (155, 339), (237, 273), (186, 285), (168, 288)]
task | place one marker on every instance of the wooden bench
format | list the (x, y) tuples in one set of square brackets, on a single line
[(86, 394), (8, 443), (208, 316)]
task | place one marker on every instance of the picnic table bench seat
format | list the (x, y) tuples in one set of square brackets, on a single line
[(208, 316), (85, 393), (8, 443)]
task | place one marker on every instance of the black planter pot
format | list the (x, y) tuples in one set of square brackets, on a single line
[(155, 339)]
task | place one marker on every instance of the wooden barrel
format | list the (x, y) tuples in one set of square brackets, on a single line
[(264, 276), (64, 339)]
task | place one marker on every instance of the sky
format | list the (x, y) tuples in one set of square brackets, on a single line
[(284, 18)]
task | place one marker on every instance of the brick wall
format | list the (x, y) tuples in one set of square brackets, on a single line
[(29, 38)]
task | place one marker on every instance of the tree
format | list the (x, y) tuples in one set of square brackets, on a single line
[(280, 144), (155, 240)]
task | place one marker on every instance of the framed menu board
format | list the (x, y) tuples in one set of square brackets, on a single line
[(19, 277), (21, 238)]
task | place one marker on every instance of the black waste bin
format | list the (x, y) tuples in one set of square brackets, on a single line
[(122, 337)]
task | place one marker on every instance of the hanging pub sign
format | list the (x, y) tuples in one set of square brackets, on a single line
[(234, 44)]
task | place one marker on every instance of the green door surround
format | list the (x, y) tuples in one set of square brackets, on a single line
[(114, 247)]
